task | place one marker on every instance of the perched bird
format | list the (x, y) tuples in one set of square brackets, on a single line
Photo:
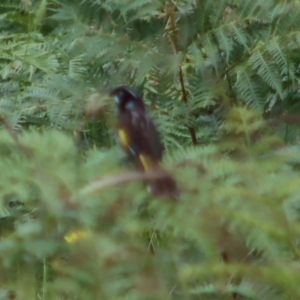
[(140, 139)]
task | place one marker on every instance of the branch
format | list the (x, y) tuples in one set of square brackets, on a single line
[(169, 12), (106, 182)]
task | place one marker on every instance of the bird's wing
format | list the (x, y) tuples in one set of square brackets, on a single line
[(138, 135)]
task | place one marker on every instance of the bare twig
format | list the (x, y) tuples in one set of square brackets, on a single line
[(106, 182), (169, 12)]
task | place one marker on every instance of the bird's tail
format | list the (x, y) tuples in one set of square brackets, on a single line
[(163, 185)]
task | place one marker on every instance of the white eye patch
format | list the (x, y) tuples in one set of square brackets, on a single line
[(117, 99)]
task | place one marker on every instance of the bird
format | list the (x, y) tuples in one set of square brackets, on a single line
[(140, 139)]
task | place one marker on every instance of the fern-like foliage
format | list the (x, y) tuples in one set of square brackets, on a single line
[(177, 53), (237, 200), (220, 79)]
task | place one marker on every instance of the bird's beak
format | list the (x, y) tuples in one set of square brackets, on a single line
[(112, 93)]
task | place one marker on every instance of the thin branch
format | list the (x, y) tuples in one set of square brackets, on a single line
[(169, 10), (106, 182)]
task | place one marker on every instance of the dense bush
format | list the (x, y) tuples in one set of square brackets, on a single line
[(220, 79)]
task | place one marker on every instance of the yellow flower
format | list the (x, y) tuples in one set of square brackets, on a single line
[(75, 236)]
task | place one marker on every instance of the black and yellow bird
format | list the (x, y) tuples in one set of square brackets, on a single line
[(140, 139)]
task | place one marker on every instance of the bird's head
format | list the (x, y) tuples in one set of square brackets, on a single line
[(126, 99)]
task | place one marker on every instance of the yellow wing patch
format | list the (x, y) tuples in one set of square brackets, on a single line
[(146, 162), (123, 137)]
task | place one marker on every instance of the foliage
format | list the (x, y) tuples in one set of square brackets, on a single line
[(223, 74), (188, 57)]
